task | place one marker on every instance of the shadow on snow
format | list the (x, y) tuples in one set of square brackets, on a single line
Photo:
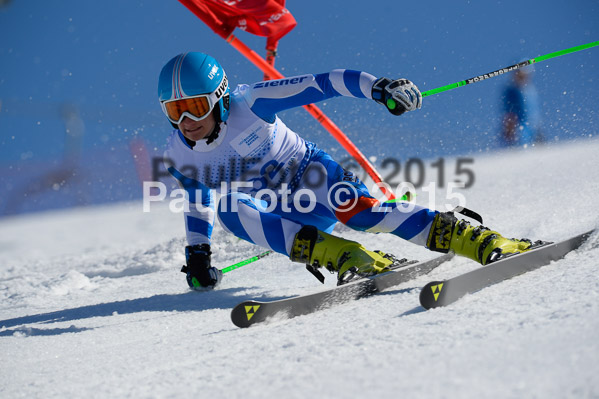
[(184, 302)]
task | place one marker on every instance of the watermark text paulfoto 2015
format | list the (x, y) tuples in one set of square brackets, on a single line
[(340, 196)]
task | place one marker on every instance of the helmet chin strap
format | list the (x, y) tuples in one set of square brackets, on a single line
[(217, 112), (214, 134)]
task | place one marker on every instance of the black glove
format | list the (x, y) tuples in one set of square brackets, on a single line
[(198, 270), (398, 96)]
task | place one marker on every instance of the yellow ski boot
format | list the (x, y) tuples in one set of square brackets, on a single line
[(348, 258), (477, 243)]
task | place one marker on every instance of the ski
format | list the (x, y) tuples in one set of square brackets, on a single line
[(251, 312), (443, 293)]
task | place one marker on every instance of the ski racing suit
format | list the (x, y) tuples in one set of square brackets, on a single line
[(272, 182)]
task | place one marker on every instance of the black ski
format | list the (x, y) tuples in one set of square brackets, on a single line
[(248, 313), (442, 293)]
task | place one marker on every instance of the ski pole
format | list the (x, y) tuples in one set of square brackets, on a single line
[(509, 69), (407, 197), (246, 262)]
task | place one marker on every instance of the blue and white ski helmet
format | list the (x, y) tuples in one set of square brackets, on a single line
[(192, 74)]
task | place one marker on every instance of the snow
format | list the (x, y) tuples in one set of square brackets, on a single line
[(93, 305)]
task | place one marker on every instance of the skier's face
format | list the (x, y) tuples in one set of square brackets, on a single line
[(197, 130)]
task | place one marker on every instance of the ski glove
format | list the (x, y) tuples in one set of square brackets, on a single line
[(200, 275), (398, 96)]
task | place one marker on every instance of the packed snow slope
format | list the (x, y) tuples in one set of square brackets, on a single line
[(93, 305)]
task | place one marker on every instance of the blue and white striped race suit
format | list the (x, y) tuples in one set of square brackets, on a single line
[(272, 181)]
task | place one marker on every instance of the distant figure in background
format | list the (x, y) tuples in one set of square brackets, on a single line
[(522, 112)]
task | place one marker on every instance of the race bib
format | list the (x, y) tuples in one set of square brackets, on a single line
[(249, 142)]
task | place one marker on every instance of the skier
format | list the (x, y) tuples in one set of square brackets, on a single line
[(522, 112), (235, 143)]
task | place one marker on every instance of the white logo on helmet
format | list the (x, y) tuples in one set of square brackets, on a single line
[(213, 72)]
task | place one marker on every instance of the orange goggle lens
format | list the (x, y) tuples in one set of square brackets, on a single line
[(196, 106)]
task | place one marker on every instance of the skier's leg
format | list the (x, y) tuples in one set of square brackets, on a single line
[(441, 232), (246, 217), (357, 209), (348, 200), (340, 195), (272, 226)]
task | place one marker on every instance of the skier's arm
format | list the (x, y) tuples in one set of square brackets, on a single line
[(269, 97), (199, 218)]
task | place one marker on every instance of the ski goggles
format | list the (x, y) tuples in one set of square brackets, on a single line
[(196, 108)]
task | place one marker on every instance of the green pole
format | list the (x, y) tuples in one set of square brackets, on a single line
[(247, 261), (406, 197), (509, 69)]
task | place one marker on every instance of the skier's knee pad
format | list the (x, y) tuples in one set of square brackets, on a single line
[(349, 212), (229, 208), (231, 201)]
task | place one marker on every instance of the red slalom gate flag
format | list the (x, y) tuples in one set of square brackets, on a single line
[(268, 18)]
